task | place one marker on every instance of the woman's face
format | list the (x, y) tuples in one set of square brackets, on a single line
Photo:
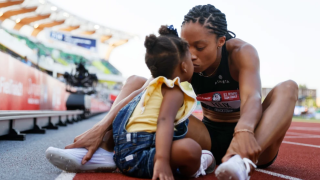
[(203, 45)]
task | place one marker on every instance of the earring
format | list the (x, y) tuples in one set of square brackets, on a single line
[(218, 47), (185, 70)]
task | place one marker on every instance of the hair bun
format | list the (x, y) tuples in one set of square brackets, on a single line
[(168, 30), (150, 41), (164, 30)]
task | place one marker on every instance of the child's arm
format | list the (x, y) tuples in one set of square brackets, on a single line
[(172, 101)]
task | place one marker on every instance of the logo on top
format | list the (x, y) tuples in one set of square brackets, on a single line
[(216, 97), (221, 81)]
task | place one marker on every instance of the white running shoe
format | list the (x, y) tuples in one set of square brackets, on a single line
[(208, 163), (235, 169), (70, 160)]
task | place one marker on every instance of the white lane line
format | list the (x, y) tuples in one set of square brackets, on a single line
[(306, 128), (303, 134), (66, 176), (277, 174), (304, 137), (301, 144)]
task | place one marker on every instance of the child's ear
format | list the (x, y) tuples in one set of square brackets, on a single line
[(184, 67)]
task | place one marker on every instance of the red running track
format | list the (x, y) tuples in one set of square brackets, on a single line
[(299, 158)]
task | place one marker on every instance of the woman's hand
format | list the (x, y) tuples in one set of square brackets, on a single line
[(91, 140), (162, 170), (245, 145)]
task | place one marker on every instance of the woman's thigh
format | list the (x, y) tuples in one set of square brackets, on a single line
[(133, 83), (198, 132)]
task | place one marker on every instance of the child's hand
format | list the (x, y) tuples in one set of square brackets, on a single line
[(162, 170)]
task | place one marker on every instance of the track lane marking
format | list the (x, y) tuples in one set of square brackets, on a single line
[(305, 128), (294, 135), (305, 137), (300, 144), (277, 174), (303, 134), (66, 176)]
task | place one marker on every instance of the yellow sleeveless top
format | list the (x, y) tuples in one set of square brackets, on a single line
[(145, 116)]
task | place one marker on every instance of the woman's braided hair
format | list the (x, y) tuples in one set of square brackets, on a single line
[(212, 18), (164, 52)]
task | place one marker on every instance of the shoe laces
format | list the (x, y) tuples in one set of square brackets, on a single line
[(201, 170), (247, 163)]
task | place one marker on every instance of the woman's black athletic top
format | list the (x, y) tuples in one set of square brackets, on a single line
[(218, 93)]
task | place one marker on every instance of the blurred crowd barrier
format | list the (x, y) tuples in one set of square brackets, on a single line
[(26, 88)]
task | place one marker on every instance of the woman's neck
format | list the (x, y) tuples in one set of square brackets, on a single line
[(211, 70)]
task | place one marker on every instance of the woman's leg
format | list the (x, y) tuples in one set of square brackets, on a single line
[(198, 132), (277, 115), (132, 84)]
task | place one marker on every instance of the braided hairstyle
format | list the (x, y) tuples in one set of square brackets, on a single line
[(212, 18), (164, 52)]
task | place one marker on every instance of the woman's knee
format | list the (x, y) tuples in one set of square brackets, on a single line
[(134, 82), (288, 89)]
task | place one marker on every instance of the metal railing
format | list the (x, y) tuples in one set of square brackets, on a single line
[(14, 122)]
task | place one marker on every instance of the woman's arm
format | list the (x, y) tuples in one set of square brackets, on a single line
[(172, 101), (92, 138), (250, 88), (244, 143)]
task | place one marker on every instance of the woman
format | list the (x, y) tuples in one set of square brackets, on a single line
[(225, 69)]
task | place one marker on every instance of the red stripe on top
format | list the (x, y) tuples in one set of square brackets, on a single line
[(231, 95)]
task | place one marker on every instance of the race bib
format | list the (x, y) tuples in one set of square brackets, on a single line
[(221, 101)]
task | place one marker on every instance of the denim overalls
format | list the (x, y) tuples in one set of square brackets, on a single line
[(134, 152)]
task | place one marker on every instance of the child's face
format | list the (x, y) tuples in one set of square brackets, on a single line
[(189, 66)]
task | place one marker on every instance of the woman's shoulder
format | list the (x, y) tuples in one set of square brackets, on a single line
[(241, 52), (236, 45)]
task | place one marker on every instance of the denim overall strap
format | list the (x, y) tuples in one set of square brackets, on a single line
[(120, 122)]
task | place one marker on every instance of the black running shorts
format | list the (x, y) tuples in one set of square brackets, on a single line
[(221, 134)]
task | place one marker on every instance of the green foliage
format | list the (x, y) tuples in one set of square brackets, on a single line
[(302, 86), (99, 65)]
